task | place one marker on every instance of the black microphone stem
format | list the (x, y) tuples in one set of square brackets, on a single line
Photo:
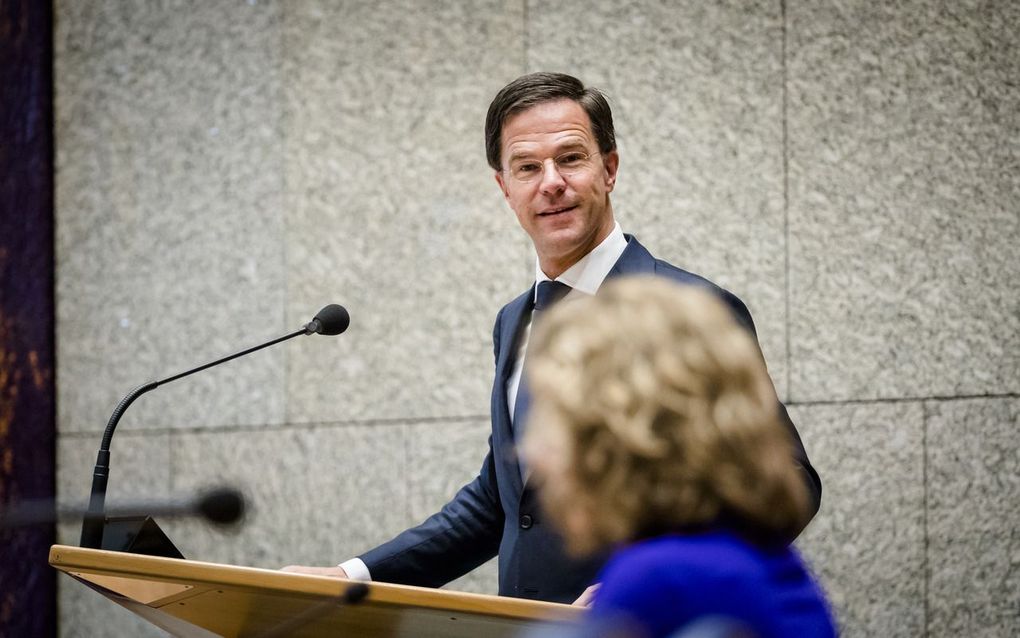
[(92, 526), (303, 331)]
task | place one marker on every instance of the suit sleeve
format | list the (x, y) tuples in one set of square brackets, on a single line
[(808, 473), (465, 533)]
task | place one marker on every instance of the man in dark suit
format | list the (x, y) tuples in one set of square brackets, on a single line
[(551, 143)]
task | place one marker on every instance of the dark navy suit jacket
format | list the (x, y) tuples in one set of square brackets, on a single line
[(496, 513)]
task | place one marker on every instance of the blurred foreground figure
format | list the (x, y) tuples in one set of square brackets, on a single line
[(655, 433)]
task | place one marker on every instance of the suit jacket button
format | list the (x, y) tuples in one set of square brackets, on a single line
[(526, 522)]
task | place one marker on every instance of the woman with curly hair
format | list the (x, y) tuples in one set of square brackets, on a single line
[(654, 433)]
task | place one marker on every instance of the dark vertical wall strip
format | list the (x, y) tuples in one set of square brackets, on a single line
[(27, 415)]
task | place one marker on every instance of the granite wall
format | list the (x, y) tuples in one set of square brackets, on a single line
[(852, 171)]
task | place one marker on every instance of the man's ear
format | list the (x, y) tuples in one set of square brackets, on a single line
[(612, 165), (502, 184)]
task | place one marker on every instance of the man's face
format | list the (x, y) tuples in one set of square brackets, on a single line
[(565, 212)]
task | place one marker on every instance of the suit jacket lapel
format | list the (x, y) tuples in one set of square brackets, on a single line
[(511, 326), (634, 260), (510, 329)]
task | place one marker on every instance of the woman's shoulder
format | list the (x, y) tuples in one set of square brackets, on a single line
[(698, 553), (679, 565), (670, 580)]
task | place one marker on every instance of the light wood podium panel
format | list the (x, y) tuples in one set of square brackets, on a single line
[(191, 598)]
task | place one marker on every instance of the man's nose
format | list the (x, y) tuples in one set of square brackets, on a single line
[(552, 180)]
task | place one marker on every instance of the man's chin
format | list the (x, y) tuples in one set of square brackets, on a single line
[(560, 250)]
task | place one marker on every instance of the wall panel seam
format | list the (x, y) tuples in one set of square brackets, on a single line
[(524, 36), (925, 574), (784, 90), (905, 399), (311, 425)]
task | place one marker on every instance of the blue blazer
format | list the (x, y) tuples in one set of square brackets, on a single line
[(663, 586), (497, 513)]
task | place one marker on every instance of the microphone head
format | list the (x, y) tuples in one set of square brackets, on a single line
[(331, 320), (355, 593), (222, 505)]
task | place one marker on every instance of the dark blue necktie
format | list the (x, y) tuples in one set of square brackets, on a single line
[(549, 292)]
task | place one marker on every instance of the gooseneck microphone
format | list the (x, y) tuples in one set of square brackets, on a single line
[(331, 320)]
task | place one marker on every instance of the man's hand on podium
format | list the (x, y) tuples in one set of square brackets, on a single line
[(332, 572)]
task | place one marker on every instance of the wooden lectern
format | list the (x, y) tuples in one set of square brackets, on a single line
[(191, 598)]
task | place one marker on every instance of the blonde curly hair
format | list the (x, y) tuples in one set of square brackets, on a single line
[(653, 412)]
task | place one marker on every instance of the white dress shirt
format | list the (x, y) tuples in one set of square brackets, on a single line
[(584, 278)]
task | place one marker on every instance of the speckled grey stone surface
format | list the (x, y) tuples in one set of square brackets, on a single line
[(904, 129), (867, 542), (973, 517), (225, 169), (442, 458), (169, 210), (318, 496), (696, 92), (139, 470), (392, 210)]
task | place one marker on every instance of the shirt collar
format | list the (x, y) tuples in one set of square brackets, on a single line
[(587, 275)]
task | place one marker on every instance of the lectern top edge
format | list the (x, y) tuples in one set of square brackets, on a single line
[(171, 570)]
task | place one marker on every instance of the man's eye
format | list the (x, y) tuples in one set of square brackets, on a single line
[(526, 168), (570, 159)]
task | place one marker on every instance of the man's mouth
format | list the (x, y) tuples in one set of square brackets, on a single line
[(556, 211)]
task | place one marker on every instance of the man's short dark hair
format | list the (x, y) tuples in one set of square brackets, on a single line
[(536, 88)]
